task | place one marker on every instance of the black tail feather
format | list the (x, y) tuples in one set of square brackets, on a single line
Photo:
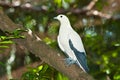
[(81, 57)]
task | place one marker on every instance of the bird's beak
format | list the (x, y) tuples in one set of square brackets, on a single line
[(55, 18)]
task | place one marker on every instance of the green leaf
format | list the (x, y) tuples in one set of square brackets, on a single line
[(117, 75), (6, 42), (61, 77), (58, 3), (4, 46)]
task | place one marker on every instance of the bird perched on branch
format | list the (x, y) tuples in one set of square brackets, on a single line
[(71, 44)]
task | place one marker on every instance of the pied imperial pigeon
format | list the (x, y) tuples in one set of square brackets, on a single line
[(71, 44)]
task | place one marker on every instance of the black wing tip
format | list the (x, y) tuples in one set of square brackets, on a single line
[(86, 69), (80, 56)]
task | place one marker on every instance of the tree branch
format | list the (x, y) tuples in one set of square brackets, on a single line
[(43, 51), (87, 10)]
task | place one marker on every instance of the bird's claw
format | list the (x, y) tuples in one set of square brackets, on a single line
[(69, 61)]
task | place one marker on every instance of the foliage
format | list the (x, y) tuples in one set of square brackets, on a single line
[(43, 72), (100, 37), (6, 39), (104, 50)]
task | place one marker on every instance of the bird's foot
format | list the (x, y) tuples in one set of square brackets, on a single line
[(69, 61)]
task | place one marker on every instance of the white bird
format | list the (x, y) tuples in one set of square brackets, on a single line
[(71, 44)]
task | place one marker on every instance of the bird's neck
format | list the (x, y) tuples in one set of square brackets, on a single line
[(65, 25), (65, 28)]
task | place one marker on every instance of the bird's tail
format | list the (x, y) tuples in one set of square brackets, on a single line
[(81, 61)]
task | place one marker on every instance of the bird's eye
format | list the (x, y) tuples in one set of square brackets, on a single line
[(61, 16)]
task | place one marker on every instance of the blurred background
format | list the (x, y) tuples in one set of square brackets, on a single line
[(96, 21)]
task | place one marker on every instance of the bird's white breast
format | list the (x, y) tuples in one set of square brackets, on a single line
[(64, 42)]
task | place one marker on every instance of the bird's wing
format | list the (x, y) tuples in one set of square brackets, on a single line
[(76, 41), (76, 45), (61, 47)]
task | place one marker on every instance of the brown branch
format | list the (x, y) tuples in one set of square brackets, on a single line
[(43, 51), (103, 15), (24, 6), (87, 10), (100, 14), (90, 5)]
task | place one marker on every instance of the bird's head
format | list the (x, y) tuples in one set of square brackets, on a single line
[(62, 18)]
